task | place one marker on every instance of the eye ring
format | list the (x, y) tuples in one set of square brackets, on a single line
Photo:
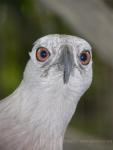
[(85, 57), (42, 54)]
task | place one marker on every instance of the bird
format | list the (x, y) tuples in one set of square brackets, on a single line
[(36, 115)]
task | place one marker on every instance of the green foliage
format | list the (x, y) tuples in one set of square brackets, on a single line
[(21, 23)]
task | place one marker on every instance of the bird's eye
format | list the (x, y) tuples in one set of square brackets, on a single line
[(85, 57), (42, 54)]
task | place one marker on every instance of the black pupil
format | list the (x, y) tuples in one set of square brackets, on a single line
[(83, 57), (43, 54)]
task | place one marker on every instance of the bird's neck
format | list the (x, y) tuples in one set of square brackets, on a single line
[(46, 113)]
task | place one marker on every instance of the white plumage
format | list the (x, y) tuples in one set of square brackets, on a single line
[(36, 114)]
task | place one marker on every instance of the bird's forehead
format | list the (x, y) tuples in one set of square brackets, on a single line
[(58, 40)]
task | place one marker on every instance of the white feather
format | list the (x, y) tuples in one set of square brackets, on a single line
[(36, 115)]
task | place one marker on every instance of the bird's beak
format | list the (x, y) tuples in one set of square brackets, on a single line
[(67, 61)]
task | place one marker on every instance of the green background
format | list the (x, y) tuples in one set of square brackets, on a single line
[(21, 23)]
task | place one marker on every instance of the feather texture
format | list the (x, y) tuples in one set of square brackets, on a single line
[(35, 116)]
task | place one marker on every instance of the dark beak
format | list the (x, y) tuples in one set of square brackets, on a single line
[(67, 61)]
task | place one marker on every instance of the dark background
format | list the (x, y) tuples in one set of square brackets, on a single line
[(21, 23)]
